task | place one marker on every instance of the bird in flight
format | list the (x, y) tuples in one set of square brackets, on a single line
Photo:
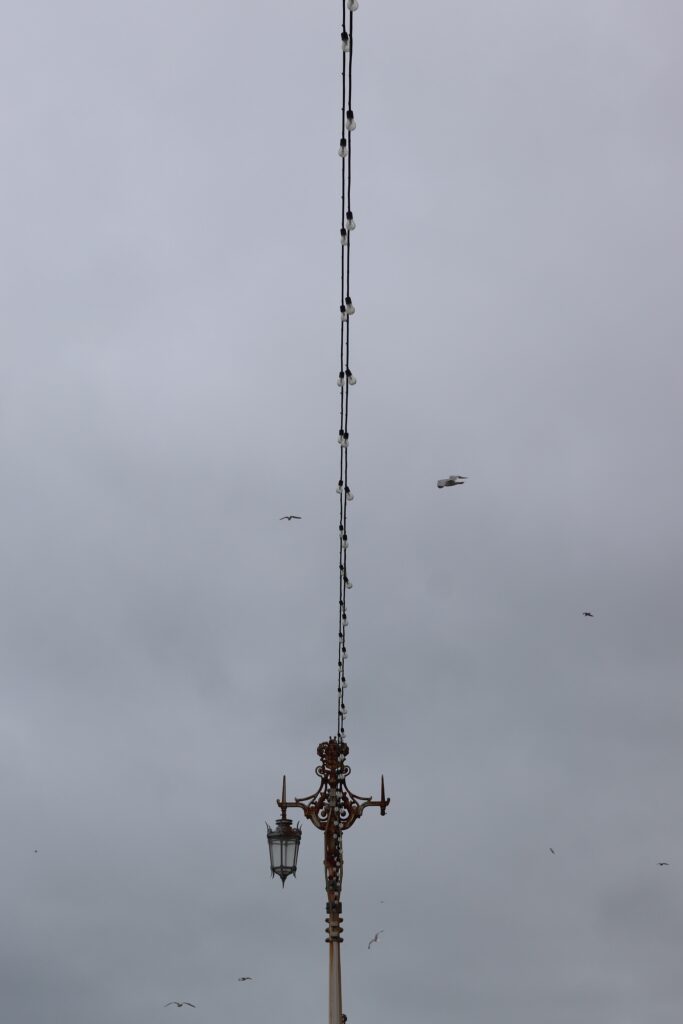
[(174, 1002), (588, 615), (551, 849), (375, 937), (662, 864), (246, 978), (289, 517), (451, 481)]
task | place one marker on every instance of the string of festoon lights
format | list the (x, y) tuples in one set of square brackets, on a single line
[(345, 379)]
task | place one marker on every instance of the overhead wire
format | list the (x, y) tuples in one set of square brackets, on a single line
[(346, 378)]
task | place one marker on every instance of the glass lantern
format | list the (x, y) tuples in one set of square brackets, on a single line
[(283, 847)]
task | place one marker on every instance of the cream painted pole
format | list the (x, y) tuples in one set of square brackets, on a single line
[(335, 984)]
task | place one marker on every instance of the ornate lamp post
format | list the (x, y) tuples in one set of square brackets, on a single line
[(332, 808)]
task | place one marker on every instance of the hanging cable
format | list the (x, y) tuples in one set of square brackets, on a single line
[(345, 380)]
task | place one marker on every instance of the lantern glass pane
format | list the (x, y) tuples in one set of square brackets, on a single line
[(274, 850)]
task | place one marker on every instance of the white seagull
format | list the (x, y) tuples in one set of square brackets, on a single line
[(174, 1002), (375, 937), (451, 481)]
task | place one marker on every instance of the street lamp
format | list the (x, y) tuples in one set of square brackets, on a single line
[(332, 808), (283, 843)]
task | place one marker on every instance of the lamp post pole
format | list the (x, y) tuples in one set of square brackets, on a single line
[(333, 808)]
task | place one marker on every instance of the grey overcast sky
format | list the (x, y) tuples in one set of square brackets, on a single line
[(169, 330)]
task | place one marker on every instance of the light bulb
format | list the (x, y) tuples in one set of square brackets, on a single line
[(340, 486), (344, 654), (344, 314), (346, 42), (350, 379), (344, 236), (348, 583), (345, 542), (349, 306), (344, 712), (342, 148), (344, 683), (343, 439), (350, 121), (340, 380), (352, 5), (350, 222), (349, 495), (345, 621)]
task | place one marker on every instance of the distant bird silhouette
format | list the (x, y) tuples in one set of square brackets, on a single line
[(35, 851), (375, 937), (174, 1002), (588, 615), (289, 517), (451, 481), (662, 864), (246, 978), (551, 849)]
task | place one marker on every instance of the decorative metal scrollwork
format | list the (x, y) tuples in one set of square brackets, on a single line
[(333, 803)]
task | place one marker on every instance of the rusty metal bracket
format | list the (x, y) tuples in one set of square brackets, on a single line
[(333, 803)]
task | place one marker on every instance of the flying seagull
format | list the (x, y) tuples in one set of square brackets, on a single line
[(289, 517), (588, 615), (247, 978), (662, 864), (451, 481), (551, 849), (174, 1002), (375, 937)]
